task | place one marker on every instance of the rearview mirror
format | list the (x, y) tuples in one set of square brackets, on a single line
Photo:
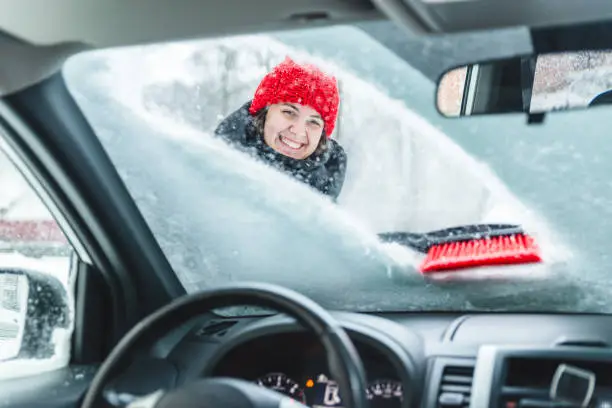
[(529, 84), (32, 306)]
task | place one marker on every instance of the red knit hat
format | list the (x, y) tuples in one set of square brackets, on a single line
[(303, 84)]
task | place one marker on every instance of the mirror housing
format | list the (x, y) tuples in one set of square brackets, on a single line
[(532, 84), (33, 305)]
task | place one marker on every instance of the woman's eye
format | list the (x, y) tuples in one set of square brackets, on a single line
[(314, 123), (288, 112)]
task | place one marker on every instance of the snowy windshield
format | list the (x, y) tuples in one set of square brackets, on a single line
[(166, 114)]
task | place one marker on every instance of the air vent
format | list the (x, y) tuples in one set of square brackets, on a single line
[(455, 386), (216, 328)]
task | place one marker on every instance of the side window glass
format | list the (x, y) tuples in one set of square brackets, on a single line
[(36, 302)]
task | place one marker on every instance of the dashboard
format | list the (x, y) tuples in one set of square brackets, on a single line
[(295, 365), (427, 360)]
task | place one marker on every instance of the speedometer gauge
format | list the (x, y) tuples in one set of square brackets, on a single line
[(385, 394), (279, 382)]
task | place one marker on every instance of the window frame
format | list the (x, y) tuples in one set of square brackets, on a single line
[(79, 256)]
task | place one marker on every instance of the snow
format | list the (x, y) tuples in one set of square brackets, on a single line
[(57, 267), (404, 175), (19, 202), (402, 172), (12, 317), (17, 199), (10, 334), (27, 367)]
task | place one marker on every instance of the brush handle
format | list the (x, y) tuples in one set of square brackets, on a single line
[(422, 242)]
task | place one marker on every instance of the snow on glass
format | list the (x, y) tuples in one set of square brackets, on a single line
[(224, 73), (183, 90), (162, 89), (31, 339), (220, 217)]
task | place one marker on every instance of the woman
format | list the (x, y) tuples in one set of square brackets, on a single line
[(288, 124)]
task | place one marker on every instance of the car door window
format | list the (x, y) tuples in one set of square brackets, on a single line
[(36, 302)]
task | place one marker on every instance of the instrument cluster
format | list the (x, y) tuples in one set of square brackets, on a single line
[(320, 391), (295, 364)]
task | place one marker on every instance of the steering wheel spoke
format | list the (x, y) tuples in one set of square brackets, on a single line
[(218, 392)]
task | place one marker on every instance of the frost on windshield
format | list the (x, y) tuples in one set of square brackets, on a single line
[(220, 217), (395, 155)]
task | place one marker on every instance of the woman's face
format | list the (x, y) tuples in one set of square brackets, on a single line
[(293, 130)]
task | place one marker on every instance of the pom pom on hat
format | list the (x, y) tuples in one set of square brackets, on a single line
[(302, 84)]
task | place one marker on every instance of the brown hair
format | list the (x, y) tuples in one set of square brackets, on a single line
[(259, 120)]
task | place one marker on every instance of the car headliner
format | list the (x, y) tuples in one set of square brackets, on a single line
[(36, 36), (118, 22)]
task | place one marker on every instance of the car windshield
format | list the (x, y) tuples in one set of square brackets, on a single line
[(222, 214)]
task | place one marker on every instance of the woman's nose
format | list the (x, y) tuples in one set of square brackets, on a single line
[(298, 129)]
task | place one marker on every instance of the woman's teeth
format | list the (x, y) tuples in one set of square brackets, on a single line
[(291, 143)]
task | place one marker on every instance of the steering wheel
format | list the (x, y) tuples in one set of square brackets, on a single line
[(344, 362)]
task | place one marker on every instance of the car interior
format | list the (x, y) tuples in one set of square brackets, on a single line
[(139, 340)]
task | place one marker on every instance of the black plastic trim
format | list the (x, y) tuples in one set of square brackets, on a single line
[(434, 376), (92, 316), (62, 388), (493, 359), (453, 328), (65, 154)]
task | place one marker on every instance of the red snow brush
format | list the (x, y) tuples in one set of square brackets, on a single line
[(470, 246)]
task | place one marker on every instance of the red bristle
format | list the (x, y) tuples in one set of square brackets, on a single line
[(514, 249)]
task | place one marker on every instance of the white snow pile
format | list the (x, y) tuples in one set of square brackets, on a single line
[(403, 173), (18, 201), (10, 345)]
